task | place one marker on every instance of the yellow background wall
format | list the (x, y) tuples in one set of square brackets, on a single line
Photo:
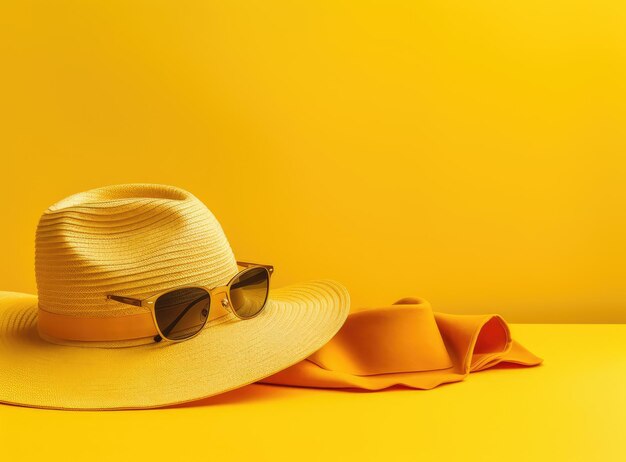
[(472, 153)]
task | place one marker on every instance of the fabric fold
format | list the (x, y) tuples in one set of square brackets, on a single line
[(407, 344)]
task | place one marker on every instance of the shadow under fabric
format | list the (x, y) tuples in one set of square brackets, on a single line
[(407, 344)]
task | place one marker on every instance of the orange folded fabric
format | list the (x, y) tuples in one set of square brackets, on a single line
[(407, 344)]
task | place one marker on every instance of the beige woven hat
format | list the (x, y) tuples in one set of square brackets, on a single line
[(73, 348)]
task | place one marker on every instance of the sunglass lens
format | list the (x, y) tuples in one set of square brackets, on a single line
[(248, 291), (181, 313)]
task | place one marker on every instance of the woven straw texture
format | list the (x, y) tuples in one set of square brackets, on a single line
[(132, 240), (135, 240)]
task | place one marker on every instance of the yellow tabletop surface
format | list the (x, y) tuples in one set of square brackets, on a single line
[(572, 407)]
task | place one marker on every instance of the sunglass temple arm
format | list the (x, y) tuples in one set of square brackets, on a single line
[(127, 300)]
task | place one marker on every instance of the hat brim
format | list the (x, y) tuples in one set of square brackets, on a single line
[(230, 353)]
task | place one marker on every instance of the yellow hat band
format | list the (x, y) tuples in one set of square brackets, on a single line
[(95, 329)]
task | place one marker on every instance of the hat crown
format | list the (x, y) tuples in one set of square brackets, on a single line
[(132, 240)]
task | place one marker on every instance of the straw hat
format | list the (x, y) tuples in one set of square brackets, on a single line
[(137, 240)]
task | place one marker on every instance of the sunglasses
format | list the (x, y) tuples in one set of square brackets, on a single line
[(180, 314)]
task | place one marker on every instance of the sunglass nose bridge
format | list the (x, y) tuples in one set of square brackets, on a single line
[(220, 298)]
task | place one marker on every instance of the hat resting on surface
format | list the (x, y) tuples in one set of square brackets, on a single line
[(64, 349)]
